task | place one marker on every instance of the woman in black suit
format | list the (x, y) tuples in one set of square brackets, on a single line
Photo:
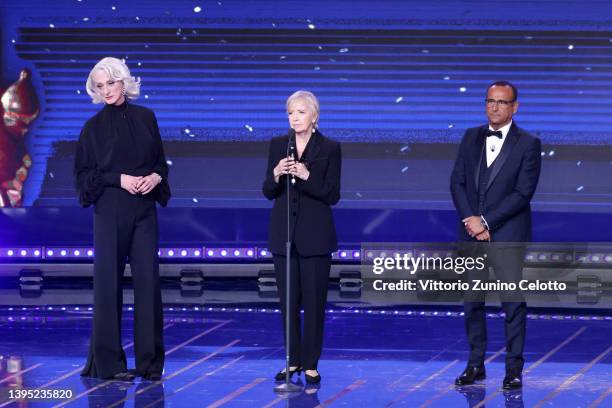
[(121, 170), (316, 170)]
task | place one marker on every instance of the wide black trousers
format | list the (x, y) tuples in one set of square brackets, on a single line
[(308, 287), (125, 227), (507, 263)]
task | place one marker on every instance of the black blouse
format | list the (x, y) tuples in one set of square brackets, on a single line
[(119, 140)]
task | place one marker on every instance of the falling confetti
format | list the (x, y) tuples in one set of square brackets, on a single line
[(398, 100), (51, 174), (446, 78), (462, 89), (197, 9), (187, 130), (404, 169), (113, 8), (551, 153), (13, 41), (52, 25), (570, 47), (450, 126), (425, 51), (85, 18), (311, 26), (195, 200), (405, 148), (343, 50), (146, 96), (78, 91), (580, 188), (359, 195), (249, 128), (579, 163), (169, 162)]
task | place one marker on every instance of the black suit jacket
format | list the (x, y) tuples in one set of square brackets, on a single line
[(511, 185), (312, 224)]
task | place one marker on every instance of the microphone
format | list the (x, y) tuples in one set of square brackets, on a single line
[(291, 149)]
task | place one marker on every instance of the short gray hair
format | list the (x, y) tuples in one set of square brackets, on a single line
[(117, 71), (310, 100)]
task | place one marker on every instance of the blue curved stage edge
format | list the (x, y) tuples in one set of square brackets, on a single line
[(185, 226)]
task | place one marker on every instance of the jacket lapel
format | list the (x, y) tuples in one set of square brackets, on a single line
[(312, 149), (509, 143), (479, 153)]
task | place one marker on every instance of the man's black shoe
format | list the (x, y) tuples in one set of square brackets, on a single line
[(470, 375), (512, 381)]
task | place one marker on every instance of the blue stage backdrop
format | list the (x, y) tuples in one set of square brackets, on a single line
[(398, 81)]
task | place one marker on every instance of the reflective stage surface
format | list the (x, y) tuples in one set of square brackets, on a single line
[(377, 358)]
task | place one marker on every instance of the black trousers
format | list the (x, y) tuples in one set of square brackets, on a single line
[(125, 226), (309, 279), (507, 263)]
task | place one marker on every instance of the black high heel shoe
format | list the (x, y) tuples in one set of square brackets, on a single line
[(312, 379), (280, 376)]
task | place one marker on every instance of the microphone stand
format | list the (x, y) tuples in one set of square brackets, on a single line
[(288, 386)]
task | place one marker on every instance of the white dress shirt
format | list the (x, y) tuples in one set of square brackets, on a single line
[(494, 144)]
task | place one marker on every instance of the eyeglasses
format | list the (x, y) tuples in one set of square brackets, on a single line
[(499, 102)]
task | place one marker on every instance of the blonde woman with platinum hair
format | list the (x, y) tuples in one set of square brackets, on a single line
[(121, 170), (120, 76)]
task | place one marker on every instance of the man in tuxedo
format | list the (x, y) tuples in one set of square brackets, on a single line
[(494, 178)]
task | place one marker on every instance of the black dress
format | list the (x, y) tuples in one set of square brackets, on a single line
[(119, 140), (313, 237)]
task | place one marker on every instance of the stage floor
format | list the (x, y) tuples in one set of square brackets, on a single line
[(372, 358)]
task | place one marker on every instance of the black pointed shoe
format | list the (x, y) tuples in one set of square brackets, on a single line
[(470, 375), (152, 376), (280, 376), (512, 381), (123, 376)]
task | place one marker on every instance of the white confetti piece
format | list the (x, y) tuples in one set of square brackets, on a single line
[(343, 50), (197, 9), (404, 169), (462, 89), (570, 47), (580, 188), (169, 162), (398, 100), (249, 128), (551, 153), (446, 78), (195, 200), (311, 26)]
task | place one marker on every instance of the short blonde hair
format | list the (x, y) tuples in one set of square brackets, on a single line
[(309, 98), (117, 71)]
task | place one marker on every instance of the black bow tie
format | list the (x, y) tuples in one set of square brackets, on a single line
[(496, 133)]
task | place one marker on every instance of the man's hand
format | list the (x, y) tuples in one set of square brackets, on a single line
[(473, 226), (484, 236)]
